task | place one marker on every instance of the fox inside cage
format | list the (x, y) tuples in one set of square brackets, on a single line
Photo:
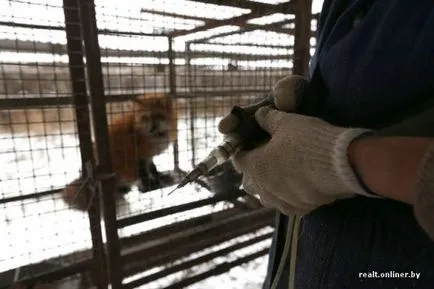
[(105, 107)]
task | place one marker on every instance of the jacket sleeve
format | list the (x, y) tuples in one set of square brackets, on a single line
[(424, 204)]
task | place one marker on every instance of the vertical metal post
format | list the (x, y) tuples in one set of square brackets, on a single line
[(303, 17), (78, 84), (107, 185), (172, 87), (191, 105), (172, 71)]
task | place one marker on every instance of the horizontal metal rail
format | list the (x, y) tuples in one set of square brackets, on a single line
[(247, 4), (34, 195), (55, 275), (129, 221), (62, 28), (29, 196), (22, 103), (196, 261), (150, 255), (179, 226), (219, 269), (199, 243), (13, 45)]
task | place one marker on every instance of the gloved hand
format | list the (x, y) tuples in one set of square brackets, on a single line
[(287, 95), (303, 166)]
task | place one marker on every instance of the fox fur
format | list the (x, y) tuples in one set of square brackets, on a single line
[(137, 135)]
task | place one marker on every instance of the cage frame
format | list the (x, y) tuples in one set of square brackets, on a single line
[(82, 42)]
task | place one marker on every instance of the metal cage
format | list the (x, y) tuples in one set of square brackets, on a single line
[(73, 73)]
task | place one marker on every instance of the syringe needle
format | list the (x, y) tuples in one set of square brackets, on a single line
[(193, 175), (177, 187)]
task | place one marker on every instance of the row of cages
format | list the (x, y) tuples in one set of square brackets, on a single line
[(104, 107)]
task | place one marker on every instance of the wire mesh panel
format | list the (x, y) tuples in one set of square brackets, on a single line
[(42, 238), (39, 147), (154, 78)]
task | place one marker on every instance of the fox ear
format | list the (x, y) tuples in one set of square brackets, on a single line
[(165, 102)]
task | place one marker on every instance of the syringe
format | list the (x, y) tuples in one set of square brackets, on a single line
[(246, 136), (288, 93)]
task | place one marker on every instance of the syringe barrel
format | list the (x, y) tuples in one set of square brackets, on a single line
[(231, 144), (245, 136), (222, 153)]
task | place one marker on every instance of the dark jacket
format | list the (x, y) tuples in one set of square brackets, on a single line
[(373, 66)]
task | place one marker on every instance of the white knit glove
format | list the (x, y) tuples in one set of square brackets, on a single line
[(303, 166)]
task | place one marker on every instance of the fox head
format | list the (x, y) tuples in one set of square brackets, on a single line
[(155, 117)]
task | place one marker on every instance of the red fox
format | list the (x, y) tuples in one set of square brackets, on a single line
[(135, 136)]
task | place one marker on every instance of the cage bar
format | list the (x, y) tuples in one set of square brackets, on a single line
[(302, 37), (105, 171), (177, 209), (78, 76)]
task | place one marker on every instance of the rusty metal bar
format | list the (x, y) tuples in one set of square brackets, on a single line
[(78, 81), (251, 26), (191, 103), (21, 103), (176, 227), (186, 249), (62, 28), (302, 36), (197, 261), (244, 4), (129, 221), (219, 269), (175, 15), (247, 29), (173, 94), (195, 239), (60, 49), (31, 26), (129, 33), (238, 4), (238, 20), (104, 173), (242, 44), (274, 28), (29, 196), (54, 275), (227, 226)]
